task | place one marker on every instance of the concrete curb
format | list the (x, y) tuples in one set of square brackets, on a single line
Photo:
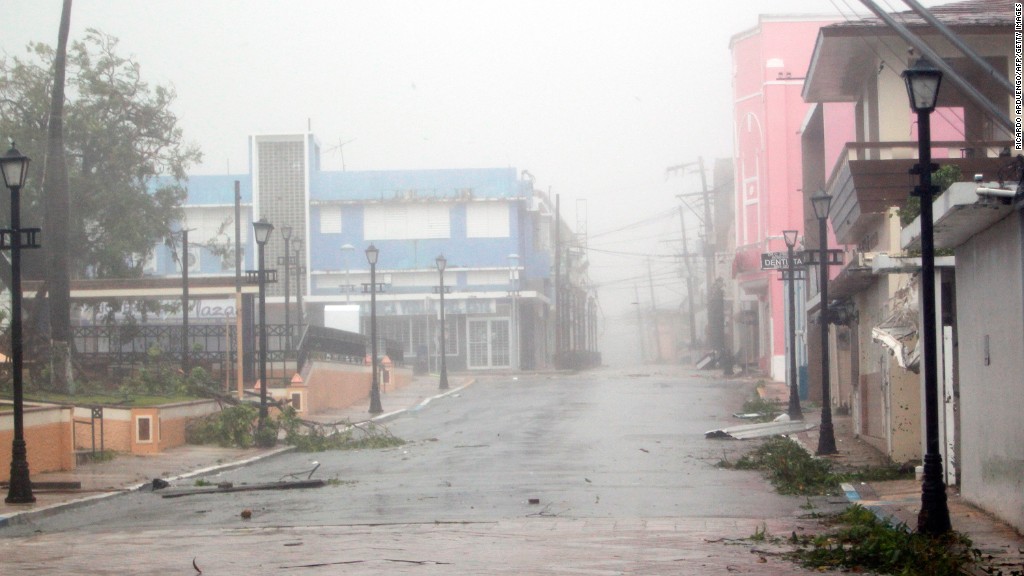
[(392, 415)]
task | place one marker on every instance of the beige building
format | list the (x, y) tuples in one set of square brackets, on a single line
[(874, 329)]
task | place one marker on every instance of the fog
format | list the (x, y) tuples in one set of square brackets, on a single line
[(594, 99)]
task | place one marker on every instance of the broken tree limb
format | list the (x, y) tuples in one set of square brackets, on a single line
[(250, 488)]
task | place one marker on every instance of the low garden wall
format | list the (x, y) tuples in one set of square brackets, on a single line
[(148, 430), (48, 437), (337, 385)]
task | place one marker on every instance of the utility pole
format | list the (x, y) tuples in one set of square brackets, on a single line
[(709, 233), (689, 280), (654, 314), (640, 324), (558, 281), (709, 229), (184, 302), (239, 368)]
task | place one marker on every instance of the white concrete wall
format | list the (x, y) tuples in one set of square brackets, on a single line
[(990, 303)]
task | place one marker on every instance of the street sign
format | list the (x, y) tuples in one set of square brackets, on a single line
[(780, 260)]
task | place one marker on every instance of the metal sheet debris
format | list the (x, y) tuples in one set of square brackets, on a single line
[(763, 430)]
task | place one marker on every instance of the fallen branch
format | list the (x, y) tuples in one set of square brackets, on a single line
[(250, 488)]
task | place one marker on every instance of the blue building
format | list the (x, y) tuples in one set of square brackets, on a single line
[(516, 300)]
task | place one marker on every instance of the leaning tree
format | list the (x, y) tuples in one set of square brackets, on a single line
[(120, 184)]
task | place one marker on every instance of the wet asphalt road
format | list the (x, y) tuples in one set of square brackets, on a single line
[(594, 445)]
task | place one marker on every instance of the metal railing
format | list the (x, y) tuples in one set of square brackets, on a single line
[(121, 350)]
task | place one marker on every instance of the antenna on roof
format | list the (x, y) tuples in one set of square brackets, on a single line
[(341, 150)]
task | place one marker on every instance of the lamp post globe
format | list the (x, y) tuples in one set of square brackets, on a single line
[(442, 263), (923, 81)]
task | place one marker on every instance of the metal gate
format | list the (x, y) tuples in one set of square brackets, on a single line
[(489, 343)]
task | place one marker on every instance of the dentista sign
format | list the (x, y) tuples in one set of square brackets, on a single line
[(780, 260)]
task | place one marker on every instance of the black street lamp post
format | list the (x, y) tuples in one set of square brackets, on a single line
[(794, 393), (826, 434), (14, 166), (262, 230), (923, 80), (372, 253), (345, 249), (443, 385), (286, 234), (299, 270)]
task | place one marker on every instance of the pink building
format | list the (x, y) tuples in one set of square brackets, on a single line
[(769, 64)]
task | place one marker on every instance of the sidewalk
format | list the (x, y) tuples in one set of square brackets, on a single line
[(127, 473), (899, 501)]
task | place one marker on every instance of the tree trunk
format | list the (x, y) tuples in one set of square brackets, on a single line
[(57, 198)]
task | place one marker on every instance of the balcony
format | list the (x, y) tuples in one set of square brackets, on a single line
[(870, 177)]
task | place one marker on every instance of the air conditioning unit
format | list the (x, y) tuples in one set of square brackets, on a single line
[(864, 259)]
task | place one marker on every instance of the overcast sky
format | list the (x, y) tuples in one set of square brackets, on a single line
[(594, 98)]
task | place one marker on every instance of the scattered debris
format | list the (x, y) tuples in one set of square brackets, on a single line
[(645, 450), (534, 501), (322, 564), (545, 512), (316, 465), (160, 483), (246, 514), (196, 566)]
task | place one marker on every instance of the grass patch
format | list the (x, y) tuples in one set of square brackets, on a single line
[(793, 471), (863, 543)]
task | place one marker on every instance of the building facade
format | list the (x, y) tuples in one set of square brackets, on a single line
[(509, 263), (860, 62), (769, 62)]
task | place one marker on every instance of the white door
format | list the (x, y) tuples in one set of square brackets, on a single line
[(489, 343), (947, 408)]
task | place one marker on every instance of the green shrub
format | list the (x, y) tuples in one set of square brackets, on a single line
[(864, 543), (792, 470), (232, 426)]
